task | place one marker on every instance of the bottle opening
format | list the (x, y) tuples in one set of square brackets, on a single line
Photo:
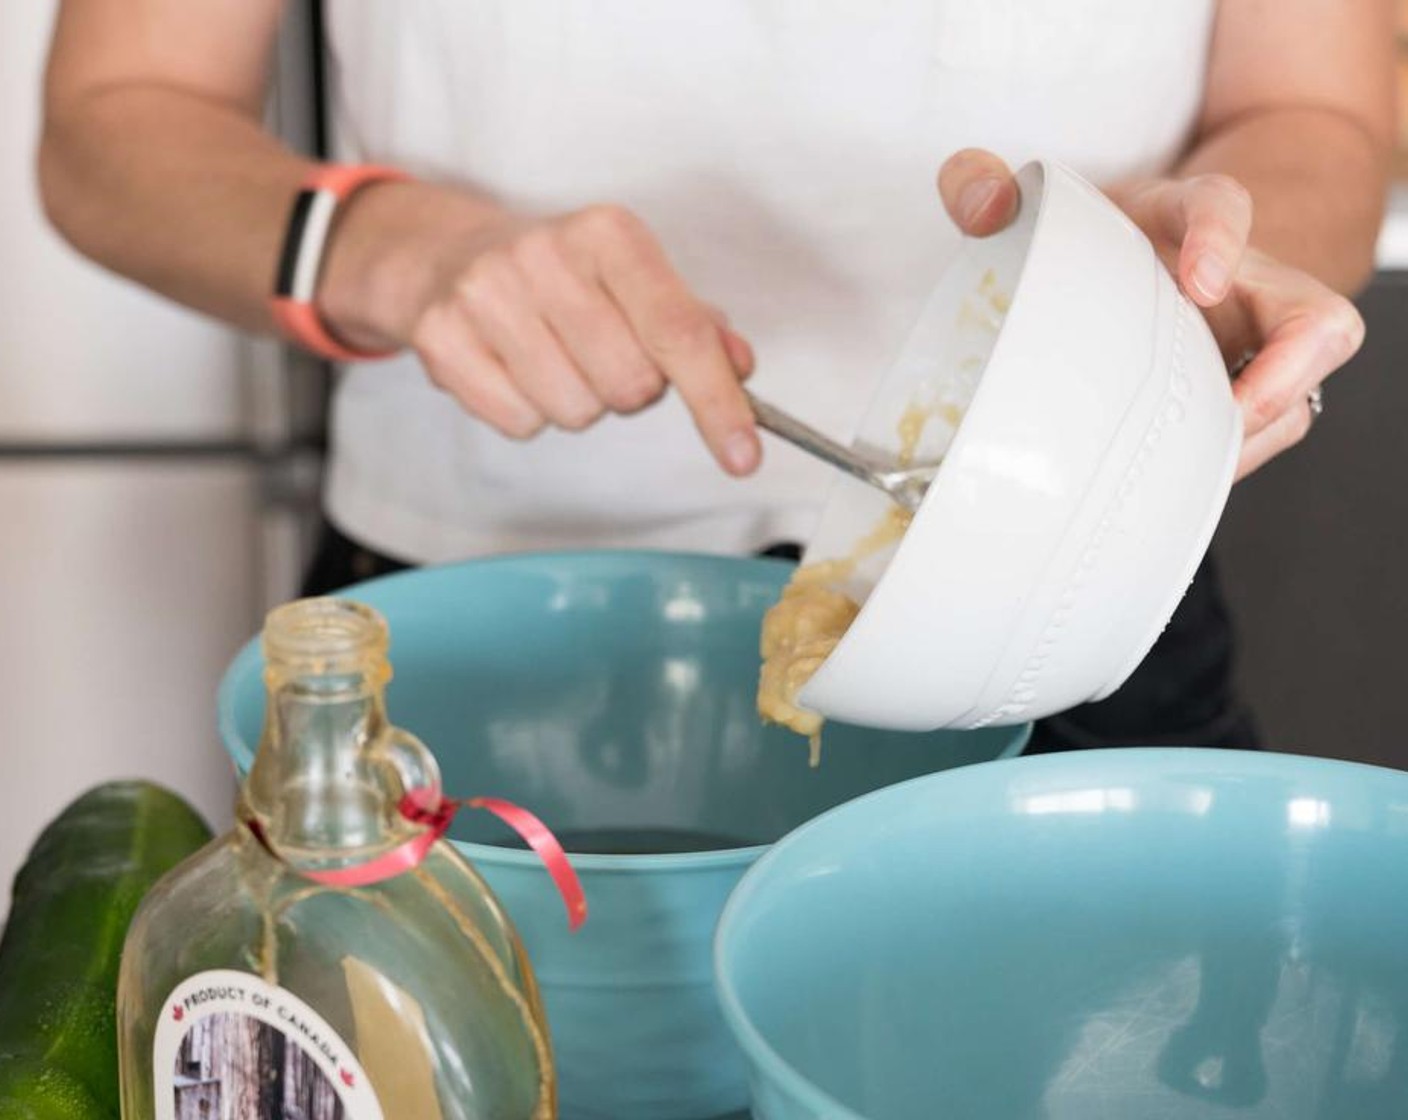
[(324, 635)]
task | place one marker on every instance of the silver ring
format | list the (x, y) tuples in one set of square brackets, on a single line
[(1316, 400)]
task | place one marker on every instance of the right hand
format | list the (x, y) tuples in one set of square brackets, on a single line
[(531, 322), (1299, 329)]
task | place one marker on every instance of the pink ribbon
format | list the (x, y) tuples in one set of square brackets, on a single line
[(437, 816)]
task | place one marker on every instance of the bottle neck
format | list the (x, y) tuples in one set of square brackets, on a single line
[(321, 784), (317, 784)]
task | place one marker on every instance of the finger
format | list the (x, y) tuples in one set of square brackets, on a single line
[(978, 191), (1285, 432), (740, 350), (676, 330), (497, 300), (1209, 218), (458, 363), (1310, 333), (592, 329), (1217, 211), (740, 353)]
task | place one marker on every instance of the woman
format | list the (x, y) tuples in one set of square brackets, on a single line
[(594, 187)]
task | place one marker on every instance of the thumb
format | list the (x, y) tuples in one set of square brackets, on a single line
[(739, 351), (978, 191)]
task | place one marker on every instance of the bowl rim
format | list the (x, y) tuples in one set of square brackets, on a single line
[(248, 661), (1043, 171), (760, 1053)]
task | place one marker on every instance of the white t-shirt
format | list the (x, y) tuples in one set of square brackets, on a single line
[(783, 151)]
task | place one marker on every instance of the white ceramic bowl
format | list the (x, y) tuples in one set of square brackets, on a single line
[(1076, 498)]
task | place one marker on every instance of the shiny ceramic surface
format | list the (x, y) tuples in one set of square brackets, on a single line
[(1167, 935), (612, 692), (1075, 501)]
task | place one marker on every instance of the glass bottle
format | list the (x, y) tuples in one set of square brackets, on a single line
[(250, 991)]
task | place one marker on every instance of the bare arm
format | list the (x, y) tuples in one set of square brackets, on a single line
[(1299, 109), (153, 160), (154, 163)]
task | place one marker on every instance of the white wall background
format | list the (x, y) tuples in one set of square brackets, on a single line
[(125, 584)]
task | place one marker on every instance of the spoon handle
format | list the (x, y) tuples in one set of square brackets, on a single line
[(801, 435)]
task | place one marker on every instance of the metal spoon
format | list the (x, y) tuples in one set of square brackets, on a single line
[(905, 485)]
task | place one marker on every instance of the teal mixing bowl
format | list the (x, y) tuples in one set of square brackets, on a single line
[(1150, 934), (612, 694)]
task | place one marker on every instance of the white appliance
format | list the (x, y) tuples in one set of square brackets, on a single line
[(151, 507)]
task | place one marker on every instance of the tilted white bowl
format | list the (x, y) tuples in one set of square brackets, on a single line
[(1076, 498)]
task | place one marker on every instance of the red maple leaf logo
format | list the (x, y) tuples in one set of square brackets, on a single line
[(347, 1078), (178, 1013)]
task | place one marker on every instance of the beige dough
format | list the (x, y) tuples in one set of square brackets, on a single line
[(799, 633), (803, 627)]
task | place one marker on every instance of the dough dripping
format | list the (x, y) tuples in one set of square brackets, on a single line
[(802, 628), (814, 612)]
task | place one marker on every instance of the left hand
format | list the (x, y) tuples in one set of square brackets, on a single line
[(1299, 330)]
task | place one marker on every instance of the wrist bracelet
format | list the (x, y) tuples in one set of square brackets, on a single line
[(301, 260)]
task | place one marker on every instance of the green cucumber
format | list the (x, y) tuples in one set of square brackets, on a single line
[(73, 900)]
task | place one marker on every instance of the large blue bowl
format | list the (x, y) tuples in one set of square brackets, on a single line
[(613, 694), (1161, 935)]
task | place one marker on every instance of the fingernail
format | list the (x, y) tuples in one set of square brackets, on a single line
[(741, 452), (1211, 277), (975, 198)]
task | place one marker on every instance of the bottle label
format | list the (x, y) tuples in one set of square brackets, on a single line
[(230, 1046)]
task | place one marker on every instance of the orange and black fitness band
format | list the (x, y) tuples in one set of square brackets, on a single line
[(301, 260)]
